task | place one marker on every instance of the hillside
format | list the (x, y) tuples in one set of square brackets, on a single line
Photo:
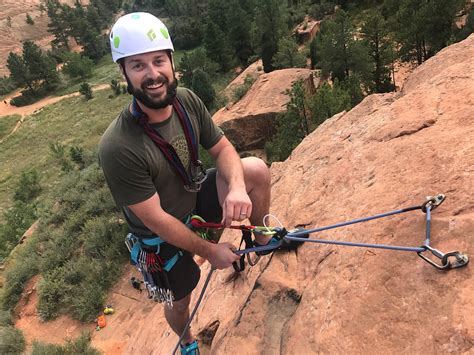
[(389, 152), (12, 37)]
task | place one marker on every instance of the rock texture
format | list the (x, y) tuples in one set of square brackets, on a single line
[(250, 122), (389, 152)]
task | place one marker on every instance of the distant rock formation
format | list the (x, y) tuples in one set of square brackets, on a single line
[(250, 122)]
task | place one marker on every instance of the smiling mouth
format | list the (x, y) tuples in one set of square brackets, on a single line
[(154, 86)]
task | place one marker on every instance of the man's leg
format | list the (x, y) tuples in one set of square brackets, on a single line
[(177, 317), (257, 183)]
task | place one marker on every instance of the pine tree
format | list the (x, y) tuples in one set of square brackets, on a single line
[(202, 86), (288, 55), (58, 25), (270, 25), (29, 19), (217, 46), (239, 26), (380, 49)]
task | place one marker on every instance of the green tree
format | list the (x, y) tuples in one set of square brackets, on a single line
[(41, 67), (288, 55), (58, 24), (191, 61), (217, 46), (337, 52), (468, 27), (86, 90), (291, 126), (202, 86), (33, 69), (424, 27), (380, 49), (77, 66), (239, 24), (270, 24), (328, 101), (27, 187)]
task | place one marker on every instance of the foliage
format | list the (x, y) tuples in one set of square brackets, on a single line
[(116, 87), (77, 282), (423, 27), (33, 69), (291, 126), (86, 90), (288, 55), (28, 186), (338, 53), (29, 19), (11, 340), (241, 90), (77, 66), (202, 86), (270, 27), (192, 61), (381, 52), (6, 85), (80, 345), (468, 28), (328, 101), (7, 124)]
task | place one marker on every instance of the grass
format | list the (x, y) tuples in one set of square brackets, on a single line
[(72, 121), (7, 123)]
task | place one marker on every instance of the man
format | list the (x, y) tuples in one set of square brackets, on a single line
[(148, 155)]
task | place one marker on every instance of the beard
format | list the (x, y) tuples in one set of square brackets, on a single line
[(150, 101)]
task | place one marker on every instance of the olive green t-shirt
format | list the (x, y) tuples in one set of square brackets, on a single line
[(135, 168)]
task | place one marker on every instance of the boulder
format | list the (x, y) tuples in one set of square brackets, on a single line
[(250, 122)]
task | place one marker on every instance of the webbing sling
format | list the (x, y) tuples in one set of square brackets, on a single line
[(191, 182)]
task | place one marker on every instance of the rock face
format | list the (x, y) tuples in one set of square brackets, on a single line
[(250, 122), (387, 153)]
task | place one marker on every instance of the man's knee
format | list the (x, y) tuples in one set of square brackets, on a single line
[(256, 171)]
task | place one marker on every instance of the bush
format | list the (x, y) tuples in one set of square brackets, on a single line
[(6, 85), (28, 97), (5, 318), (241, 90), (77, 66), (27, 187), (29, 19), (81, 345), (11, 341), (86, 90)]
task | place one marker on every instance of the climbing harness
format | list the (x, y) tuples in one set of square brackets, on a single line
[(192, 182), (144, 253), (281, 238)]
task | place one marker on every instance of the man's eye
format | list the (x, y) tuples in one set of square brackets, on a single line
[(137, 66)]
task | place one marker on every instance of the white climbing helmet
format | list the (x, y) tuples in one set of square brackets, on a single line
[(136, 33)]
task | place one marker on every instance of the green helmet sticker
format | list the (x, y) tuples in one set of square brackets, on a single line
[(135, 16), (164, 32), (151, 35), (116, 41)]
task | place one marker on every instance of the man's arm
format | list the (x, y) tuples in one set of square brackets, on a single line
[(237, 205), (174, 232)]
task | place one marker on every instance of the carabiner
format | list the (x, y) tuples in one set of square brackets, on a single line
[(461, 259)]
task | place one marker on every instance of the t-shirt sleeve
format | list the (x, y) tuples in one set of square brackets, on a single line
[(210, 133), (127, 174)]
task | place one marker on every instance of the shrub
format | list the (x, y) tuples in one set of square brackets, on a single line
[(241, 90), (27, 187), (11, 341), (29, 19), (80, 345), (86, 90), (77, 66)]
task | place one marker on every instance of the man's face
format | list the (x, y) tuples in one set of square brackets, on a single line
[(151, 78)]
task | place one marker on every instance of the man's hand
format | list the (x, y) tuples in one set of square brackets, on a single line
[(222, 255), (236, 207)]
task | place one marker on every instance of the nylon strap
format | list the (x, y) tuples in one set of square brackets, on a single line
[(166, 148)]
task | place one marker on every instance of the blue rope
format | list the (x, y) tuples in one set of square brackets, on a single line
[(363, 245)]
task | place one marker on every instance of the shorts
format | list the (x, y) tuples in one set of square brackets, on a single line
[(185, 274)]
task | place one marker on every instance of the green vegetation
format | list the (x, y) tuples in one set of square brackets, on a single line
[(7, 123), (81, 345), (241, 90), (86, 91), (11, 341)]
